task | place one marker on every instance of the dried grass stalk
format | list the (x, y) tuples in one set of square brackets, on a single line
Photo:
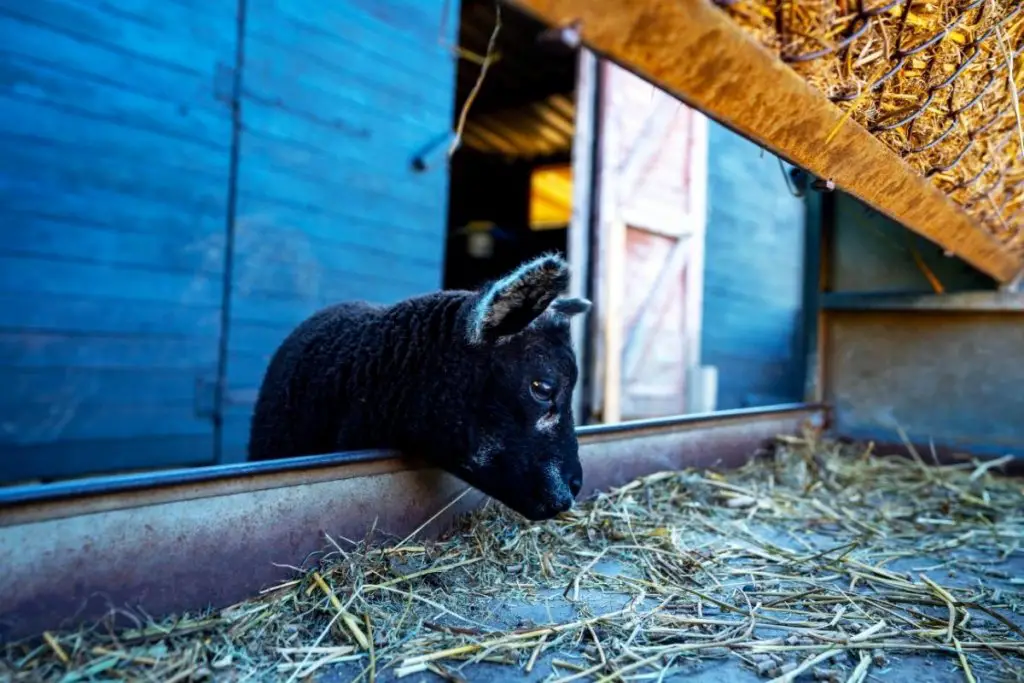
[(819, 560), (936, 81)]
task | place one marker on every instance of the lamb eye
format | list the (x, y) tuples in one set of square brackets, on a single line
[(541, 390)]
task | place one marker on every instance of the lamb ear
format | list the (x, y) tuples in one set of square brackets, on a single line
[(571, 306), (516, 300)]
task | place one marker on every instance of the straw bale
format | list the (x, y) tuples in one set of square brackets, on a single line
[(817, 559), (931, 79)]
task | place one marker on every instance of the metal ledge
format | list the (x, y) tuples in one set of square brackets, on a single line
[(102, 485), (965, 302), (199, 540)]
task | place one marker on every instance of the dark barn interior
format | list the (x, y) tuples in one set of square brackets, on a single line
[(519, 125)]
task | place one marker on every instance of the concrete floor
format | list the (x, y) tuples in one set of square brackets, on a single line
[(552, 608)]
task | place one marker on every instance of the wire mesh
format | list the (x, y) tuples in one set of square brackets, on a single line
[(936, 81)]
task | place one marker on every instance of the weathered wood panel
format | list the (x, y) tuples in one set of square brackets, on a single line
[(115, 126), (651, 190), (337, 100), (753, 279), (950, 378)]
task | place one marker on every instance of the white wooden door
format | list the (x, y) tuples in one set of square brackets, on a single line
[(651, 180)]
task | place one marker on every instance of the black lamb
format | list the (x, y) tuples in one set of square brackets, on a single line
[(479, 383)]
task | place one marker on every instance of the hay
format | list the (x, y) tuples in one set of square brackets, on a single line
[(819, 559), (936, 81)]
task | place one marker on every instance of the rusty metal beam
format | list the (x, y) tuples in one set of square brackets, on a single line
[(213, 541), (694, 51)]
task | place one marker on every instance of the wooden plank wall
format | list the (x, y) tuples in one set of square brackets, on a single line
[(337, 99), (138, 261), (753, 296), (115, 134)]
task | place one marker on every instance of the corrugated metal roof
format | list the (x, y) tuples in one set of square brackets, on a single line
[(525, 108)]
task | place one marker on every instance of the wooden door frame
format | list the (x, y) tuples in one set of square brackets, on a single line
[(579, 249), (609, 234)]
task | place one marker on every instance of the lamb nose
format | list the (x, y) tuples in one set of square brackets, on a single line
[(565, 504)]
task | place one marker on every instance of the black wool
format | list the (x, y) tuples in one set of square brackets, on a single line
[(479, 383)]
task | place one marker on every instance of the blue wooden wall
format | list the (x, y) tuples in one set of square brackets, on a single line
[(142, 171), (753, 277), (337, 100)]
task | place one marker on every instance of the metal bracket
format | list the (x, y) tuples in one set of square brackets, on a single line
[(568, 35), (433, 152), (802, 181)]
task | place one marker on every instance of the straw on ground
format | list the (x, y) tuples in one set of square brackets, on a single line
[(820, 559)]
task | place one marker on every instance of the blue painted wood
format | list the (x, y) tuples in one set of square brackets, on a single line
[(324, 227), (753, 278), (116, 131), (370, 196), (34, 80), (288, 311), (37, 276), (326, 274), (338, 169), (267, 118), (71, 419), (73, 458), (62, 240), (28, 349), (280, 76), (81, 55), (338, 99), (175, 20), (23, 199), (235, 433), (101, 23), (80, 313), (116, 386), (381, 80), (45, 131), (333, 27)]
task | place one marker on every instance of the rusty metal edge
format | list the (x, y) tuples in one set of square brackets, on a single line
[(693, 50), (189, 547), (14, 496), (302, 470)]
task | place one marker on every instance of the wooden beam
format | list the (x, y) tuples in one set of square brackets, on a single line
[(612, 318), (581, 226), (694, 51)]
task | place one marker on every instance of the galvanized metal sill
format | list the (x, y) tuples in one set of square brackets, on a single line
[(963, 302), (178, 541), (105, 485)]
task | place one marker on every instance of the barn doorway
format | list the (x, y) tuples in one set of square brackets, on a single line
[(511, 188)]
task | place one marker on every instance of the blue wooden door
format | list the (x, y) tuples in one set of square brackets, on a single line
[(115, 163), (337, 99)]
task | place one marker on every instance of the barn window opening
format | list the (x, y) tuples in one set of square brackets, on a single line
[(511, 184), (551, 197)]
